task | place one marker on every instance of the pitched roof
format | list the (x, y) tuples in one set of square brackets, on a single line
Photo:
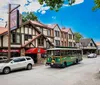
[(85, 42), (3, 30), (65, 30), (39, 24), (52, 25)]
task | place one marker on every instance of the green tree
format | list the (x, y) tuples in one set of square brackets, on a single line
[(77, 36), (55, 4), (97, 5), (29, 16)]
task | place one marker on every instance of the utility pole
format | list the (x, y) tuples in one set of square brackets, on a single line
[(9, 34), (9, 27)]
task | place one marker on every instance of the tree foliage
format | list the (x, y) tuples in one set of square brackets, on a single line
[(55, 4), (97, 5), (78, 36), (29, 16)]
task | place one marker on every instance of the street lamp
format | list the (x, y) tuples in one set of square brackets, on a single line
[(9, 27)]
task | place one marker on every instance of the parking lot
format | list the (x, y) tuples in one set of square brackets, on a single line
[(84, 73)]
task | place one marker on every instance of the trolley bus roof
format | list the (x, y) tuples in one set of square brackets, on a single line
[(64, 49)]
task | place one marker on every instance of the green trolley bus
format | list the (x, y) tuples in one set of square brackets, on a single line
[(62, 57)]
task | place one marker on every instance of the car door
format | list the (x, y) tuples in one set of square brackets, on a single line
[(23, 62), (18, 63), (15, 64)]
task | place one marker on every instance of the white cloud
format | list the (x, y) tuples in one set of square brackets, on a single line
[(43, 12), (32, 5), (53, 17), (76, 2)]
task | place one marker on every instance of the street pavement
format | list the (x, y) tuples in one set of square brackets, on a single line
[(84, 73)]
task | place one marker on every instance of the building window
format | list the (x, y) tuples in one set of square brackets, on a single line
[(70, 36), (62, 43), (48, 45), (28, 36), (57, 34), (48, 32), (91, 44), (18, 38), (62, 35), (70, 44), (65, 35), (41, 41), (65, 43), (57, 42), (15, 38)]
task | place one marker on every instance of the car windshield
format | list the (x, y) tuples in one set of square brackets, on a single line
[(7, 61)]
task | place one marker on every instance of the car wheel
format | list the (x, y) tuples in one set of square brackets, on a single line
[(29, 66), (6, 70)]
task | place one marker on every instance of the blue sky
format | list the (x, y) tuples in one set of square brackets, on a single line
[(79, 17)]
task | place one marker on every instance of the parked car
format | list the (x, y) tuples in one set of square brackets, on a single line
[(15, 64), (92, 55), (3, 58)]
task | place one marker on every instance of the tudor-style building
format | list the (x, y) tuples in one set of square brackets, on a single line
[(67, 37), (56, 33), (87, 45), (45, 30), (22, 38)]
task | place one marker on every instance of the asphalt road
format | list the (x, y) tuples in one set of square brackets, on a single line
[(85, 73)]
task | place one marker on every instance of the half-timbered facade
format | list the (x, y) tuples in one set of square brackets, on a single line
[(67, 37), (22, 38), (56, 33)]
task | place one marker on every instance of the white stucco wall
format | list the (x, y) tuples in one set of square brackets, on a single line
[(26, 30), (45, 32), (22, 29), (5, 41), (30, 31)]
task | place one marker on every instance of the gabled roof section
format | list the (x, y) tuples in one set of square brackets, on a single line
[(65, 30), (37, 38), (3, 30), (37, 23), (52, 26), (85, 42)]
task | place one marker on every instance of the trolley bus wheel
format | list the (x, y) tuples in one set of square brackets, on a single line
[(76, 61), (64, 65)]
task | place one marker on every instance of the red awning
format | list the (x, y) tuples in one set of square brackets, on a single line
[(35, 50), (4, 51)]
